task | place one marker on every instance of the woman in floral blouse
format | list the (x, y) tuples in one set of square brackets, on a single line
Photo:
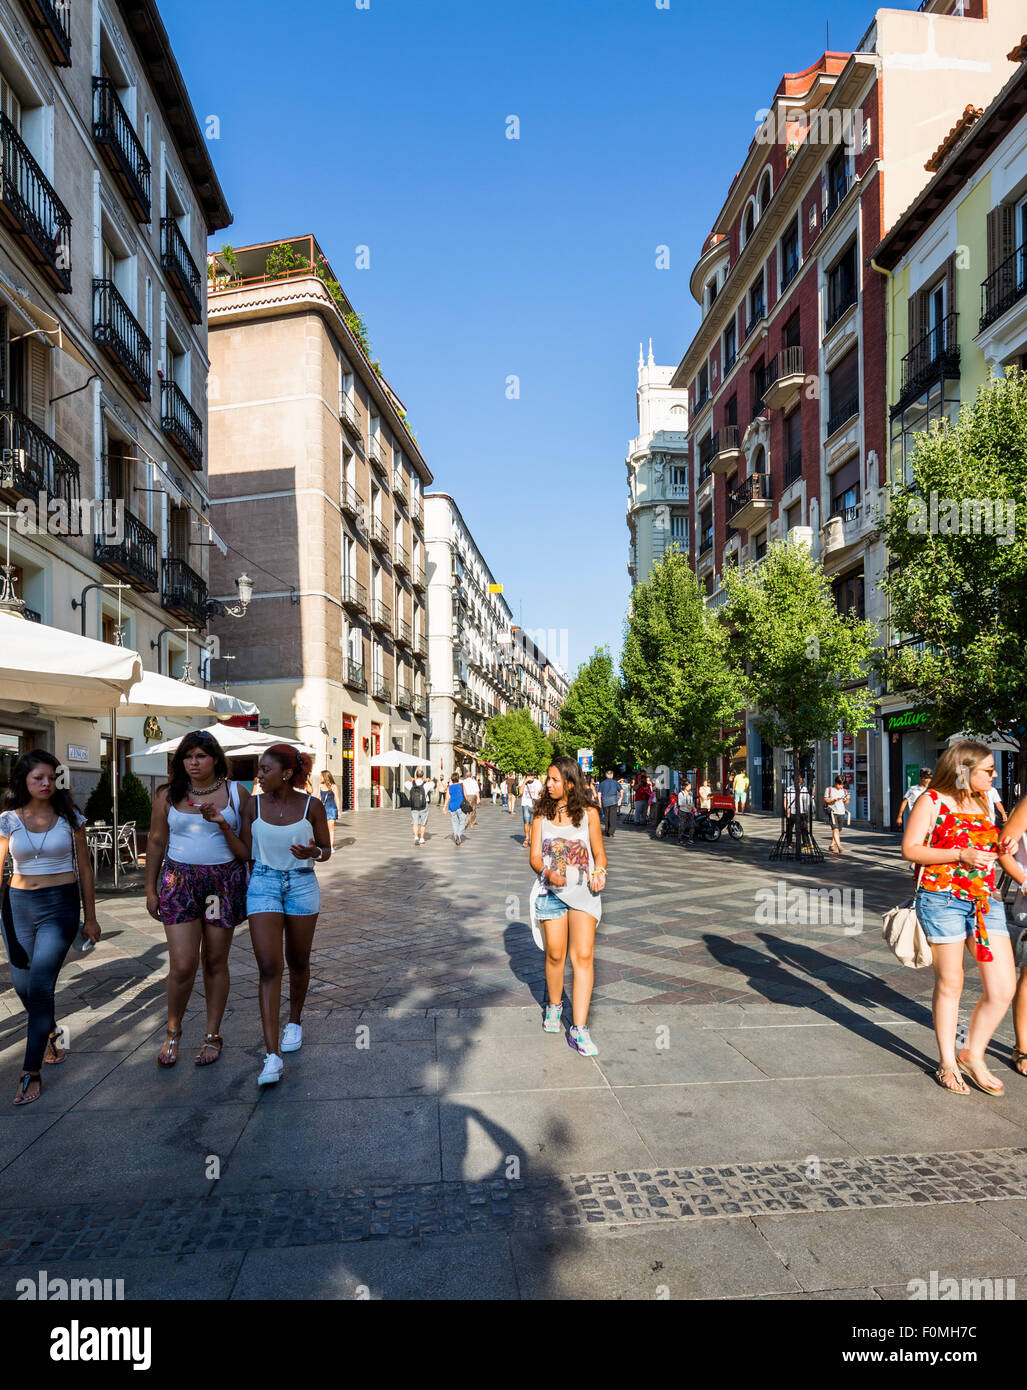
[(951, 836)]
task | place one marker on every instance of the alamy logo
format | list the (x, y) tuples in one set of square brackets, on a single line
[(784, 906), (56, 516), (970, 1290), (45, 1289), (78, 1343), (966, 516)]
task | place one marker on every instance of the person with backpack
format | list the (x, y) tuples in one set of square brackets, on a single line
[(419, 792)]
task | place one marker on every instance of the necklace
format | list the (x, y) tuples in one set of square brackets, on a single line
[(37, 850), (206, 791)]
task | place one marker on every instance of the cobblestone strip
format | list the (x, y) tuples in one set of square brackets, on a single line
[(183, 1226)]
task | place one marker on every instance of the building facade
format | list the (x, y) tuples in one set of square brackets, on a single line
[(317, 482), (107, 197), (469, 627), (658, 470), (953, 328), (788, 423), (555, 683)]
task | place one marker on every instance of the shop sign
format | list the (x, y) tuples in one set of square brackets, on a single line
[(78, 753), (908, 719)]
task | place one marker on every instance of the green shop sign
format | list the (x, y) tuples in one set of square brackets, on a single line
[(908, 719)]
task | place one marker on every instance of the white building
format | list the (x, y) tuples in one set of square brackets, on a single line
[(657, 463), (469, 640)]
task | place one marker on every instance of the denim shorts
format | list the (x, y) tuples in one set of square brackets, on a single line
[(294, 892), (527, 815), (548, 906), (419, 817), (946, 918)]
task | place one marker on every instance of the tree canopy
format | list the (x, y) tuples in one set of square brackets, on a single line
[(590, 716), (515, 743)]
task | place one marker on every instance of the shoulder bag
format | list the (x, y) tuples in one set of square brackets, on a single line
[(901, 929)]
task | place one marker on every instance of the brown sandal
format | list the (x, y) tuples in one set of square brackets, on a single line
[(214, 1040), (170, 1046), (59, 1054), (940, 1076)]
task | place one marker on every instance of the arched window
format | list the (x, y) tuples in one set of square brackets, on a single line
[(765, 191), (749, 224), (759, 460)]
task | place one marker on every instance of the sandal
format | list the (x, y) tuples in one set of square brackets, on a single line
[(975, 1080), (59, 1053), (26, 1081), (168, 1054), (1018, 1056), (214, 1041), (940, 1076)]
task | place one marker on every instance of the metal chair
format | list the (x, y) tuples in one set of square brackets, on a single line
[(100, 840), (127, 840)]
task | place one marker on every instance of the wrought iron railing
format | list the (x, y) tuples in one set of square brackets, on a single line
[(354, 676), (793, 466), (134, 556), (181, 423), (112, 131), (403, 632), (116, 329), (401, 557), (31, 462), (838, 307), (379, 532), (1004, 287), (381, 614), (381, 689), (350, 500), (33, 210), (181, 268), (354, 595), (935, 355), (843, 413), (756, 488), (184, 591), (51, 19), (399, 486)]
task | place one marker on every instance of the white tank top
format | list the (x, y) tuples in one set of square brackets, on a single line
[(271, 842), (568, 850), (194, 840)]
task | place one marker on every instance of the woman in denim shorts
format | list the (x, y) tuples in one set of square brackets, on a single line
[(286, 832), (951, 836)]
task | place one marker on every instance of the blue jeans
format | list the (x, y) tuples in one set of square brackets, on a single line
[(39, 926), (459, 821)]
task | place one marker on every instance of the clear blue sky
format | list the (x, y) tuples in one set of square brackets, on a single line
[(493, 257)]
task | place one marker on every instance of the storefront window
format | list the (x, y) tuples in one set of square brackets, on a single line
[(850, 760)]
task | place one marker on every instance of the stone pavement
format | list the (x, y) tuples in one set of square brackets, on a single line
[(760, 1121)]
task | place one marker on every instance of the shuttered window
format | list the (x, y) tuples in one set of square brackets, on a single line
[(1001, 236), (38, 384)]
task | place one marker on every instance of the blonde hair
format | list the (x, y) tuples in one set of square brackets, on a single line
[(961, 757)]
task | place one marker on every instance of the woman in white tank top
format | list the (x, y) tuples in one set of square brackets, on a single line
[(568, 855), (196, 883), (286, 832)]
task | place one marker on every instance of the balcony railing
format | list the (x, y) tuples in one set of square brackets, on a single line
[(404, 697), (376, 450), (401, 558), (730, 358), (417, 704), (354, 595), (379, 533), (399, 487), (350, 501), (842, 414), (381, 615), (116, 330), (134, 557), (184, 592), (755, 489), (835, 198), (121, 148), (706, 540), (51, 20), (418, 578), (789, 270), (416, 510), (353, 675), (381, 689), (403, 632), (31, 463), (759, 313), (700, 400), (936, 355), (181, 268), (32, 211), (793, 466), (180, 422), (784, 380), (348, 415), (421, 644), (1004, 287), (841, 305)]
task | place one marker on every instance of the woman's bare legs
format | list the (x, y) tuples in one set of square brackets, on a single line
[(948, 987), (582, 933), (998, 985), (555, 933)]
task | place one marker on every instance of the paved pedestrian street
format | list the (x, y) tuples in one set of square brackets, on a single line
[(761, 1121)]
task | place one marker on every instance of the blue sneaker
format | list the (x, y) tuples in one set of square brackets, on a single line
[(581, 1040), (551, 1021)]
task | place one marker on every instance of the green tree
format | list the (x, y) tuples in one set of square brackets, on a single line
[(959, 579), (515, 743), (681, 688), (801, 655), (590, 716)]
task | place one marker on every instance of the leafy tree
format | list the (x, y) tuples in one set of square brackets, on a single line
[(590, 716), (681, 687), (801, 655), (515, 743), (959, 579), (133, 801)]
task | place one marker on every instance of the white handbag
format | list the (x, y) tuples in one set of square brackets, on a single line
[(904, 935)]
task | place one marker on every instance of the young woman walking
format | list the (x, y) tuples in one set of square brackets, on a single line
[(198, 892), (568, 854), (836, 798), (285, 832), (951, 836), (330, 802), (457, 817), (42, 828)]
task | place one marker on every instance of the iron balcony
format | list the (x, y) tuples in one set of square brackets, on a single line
[(117, 331), (353, 675), (181, 424), (121, 148), (31, 463), (749, 501), (184, 593), (32, 211), (181, 268), (134, 558), (1004, 287), (52, 22), (354, 595)]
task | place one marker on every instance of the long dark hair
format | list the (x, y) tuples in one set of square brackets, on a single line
[(578, 800), (18, 794), (290, 759), (177, 784)]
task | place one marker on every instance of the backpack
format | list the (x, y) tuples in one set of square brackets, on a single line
[(418, 800)]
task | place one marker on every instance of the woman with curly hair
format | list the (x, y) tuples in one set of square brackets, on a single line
[(568, 855), (284, 831), (199, 891), (43, 830)]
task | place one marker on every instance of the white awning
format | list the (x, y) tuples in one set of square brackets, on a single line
[(47, 667)]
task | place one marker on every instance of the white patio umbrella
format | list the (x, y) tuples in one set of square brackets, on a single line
[(237, 743), (45, 666), (395, 757)]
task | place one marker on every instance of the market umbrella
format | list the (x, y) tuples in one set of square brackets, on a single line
[(237, 743), (45, 666), (395, 757)]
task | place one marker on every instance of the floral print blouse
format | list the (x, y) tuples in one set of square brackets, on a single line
[(963, 830)]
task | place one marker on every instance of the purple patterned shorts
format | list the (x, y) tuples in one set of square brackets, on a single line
[(213, 893)]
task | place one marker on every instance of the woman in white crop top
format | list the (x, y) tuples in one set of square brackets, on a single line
[(286, 832), (568, 855), (199, 890), (43, 831)]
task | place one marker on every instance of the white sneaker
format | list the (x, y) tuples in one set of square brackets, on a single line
[(292, 1038), (273, 1068)]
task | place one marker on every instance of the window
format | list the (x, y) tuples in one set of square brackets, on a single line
[(706, 530), (837, 181), (765, 191), (790, 254), (679, 527), (731, 411), (759, 546), (761, 378), (749, 225), (792, 335), (679, 477), (793, 446), (849, 594), (730, 346), (178, 533), (843, 391), (845, 490), (757, 303), (711, 292), (841, 285), (702, 386), (793, 516)]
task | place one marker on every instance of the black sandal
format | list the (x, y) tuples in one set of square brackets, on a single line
[(51, 1046), (26, 1081)]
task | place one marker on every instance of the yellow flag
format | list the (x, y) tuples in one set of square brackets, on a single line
[(495, 588)]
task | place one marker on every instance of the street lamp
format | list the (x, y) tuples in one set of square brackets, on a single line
[(219, 608)]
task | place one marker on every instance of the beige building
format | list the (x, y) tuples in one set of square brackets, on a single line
[(317, 489), (107, 197)]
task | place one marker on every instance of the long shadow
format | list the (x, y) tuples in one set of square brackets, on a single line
[(772, 981)]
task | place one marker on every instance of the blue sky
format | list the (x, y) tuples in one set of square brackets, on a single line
[(492, 257)]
